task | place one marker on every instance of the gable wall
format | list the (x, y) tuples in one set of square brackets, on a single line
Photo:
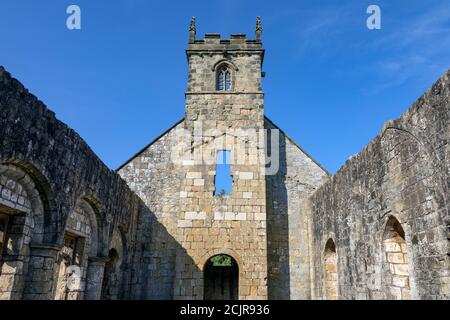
[(156, 179)]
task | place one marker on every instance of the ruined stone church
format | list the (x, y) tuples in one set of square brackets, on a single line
[(160, 227)]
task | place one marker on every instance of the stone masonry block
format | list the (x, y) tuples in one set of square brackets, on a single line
[(193, 175), (246, 175), (199, 182), (184, 224)]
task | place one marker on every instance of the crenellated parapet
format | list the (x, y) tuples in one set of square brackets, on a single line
[(214, 43)]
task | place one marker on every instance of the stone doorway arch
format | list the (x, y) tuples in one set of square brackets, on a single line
[(221, 278)]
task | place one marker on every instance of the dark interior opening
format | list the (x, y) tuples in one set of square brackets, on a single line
[(221, 278)]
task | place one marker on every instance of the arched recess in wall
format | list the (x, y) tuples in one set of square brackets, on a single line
[(113, 272), (395, 258), (47, 230), (80, 242), (330, 271), (22, 210)]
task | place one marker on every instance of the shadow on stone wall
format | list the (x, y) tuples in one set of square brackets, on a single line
[(278, 277), (155, 253)]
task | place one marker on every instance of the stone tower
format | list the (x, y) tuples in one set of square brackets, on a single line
[(224, 111)]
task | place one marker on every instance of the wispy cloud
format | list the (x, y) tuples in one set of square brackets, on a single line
[(415, 47), (434, 22), (314, 27), (414, 41)]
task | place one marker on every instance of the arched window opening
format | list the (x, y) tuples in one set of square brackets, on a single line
[(223, 78), (331, 277), (396, 258), (221, 278)]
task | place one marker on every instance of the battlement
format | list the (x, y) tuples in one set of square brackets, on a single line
[(214, 42)]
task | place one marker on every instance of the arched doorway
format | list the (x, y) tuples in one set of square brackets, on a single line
[(221, 278), (397, 279)]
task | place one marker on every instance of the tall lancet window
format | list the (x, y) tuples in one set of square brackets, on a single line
[(223, 182), (223, 79)]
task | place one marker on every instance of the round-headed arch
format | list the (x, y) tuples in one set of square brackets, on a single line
[(215, 252), (40, 195), (221, 278), (330, 270), (396, 273)]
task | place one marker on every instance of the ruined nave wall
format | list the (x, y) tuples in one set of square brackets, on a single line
[(402, 175), (55, 190)]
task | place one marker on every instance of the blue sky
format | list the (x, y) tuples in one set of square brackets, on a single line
[(330, 82)]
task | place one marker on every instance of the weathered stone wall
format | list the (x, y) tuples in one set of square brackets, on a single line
[(45, 168), (156, 179), (401, 176), (287, 228)]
